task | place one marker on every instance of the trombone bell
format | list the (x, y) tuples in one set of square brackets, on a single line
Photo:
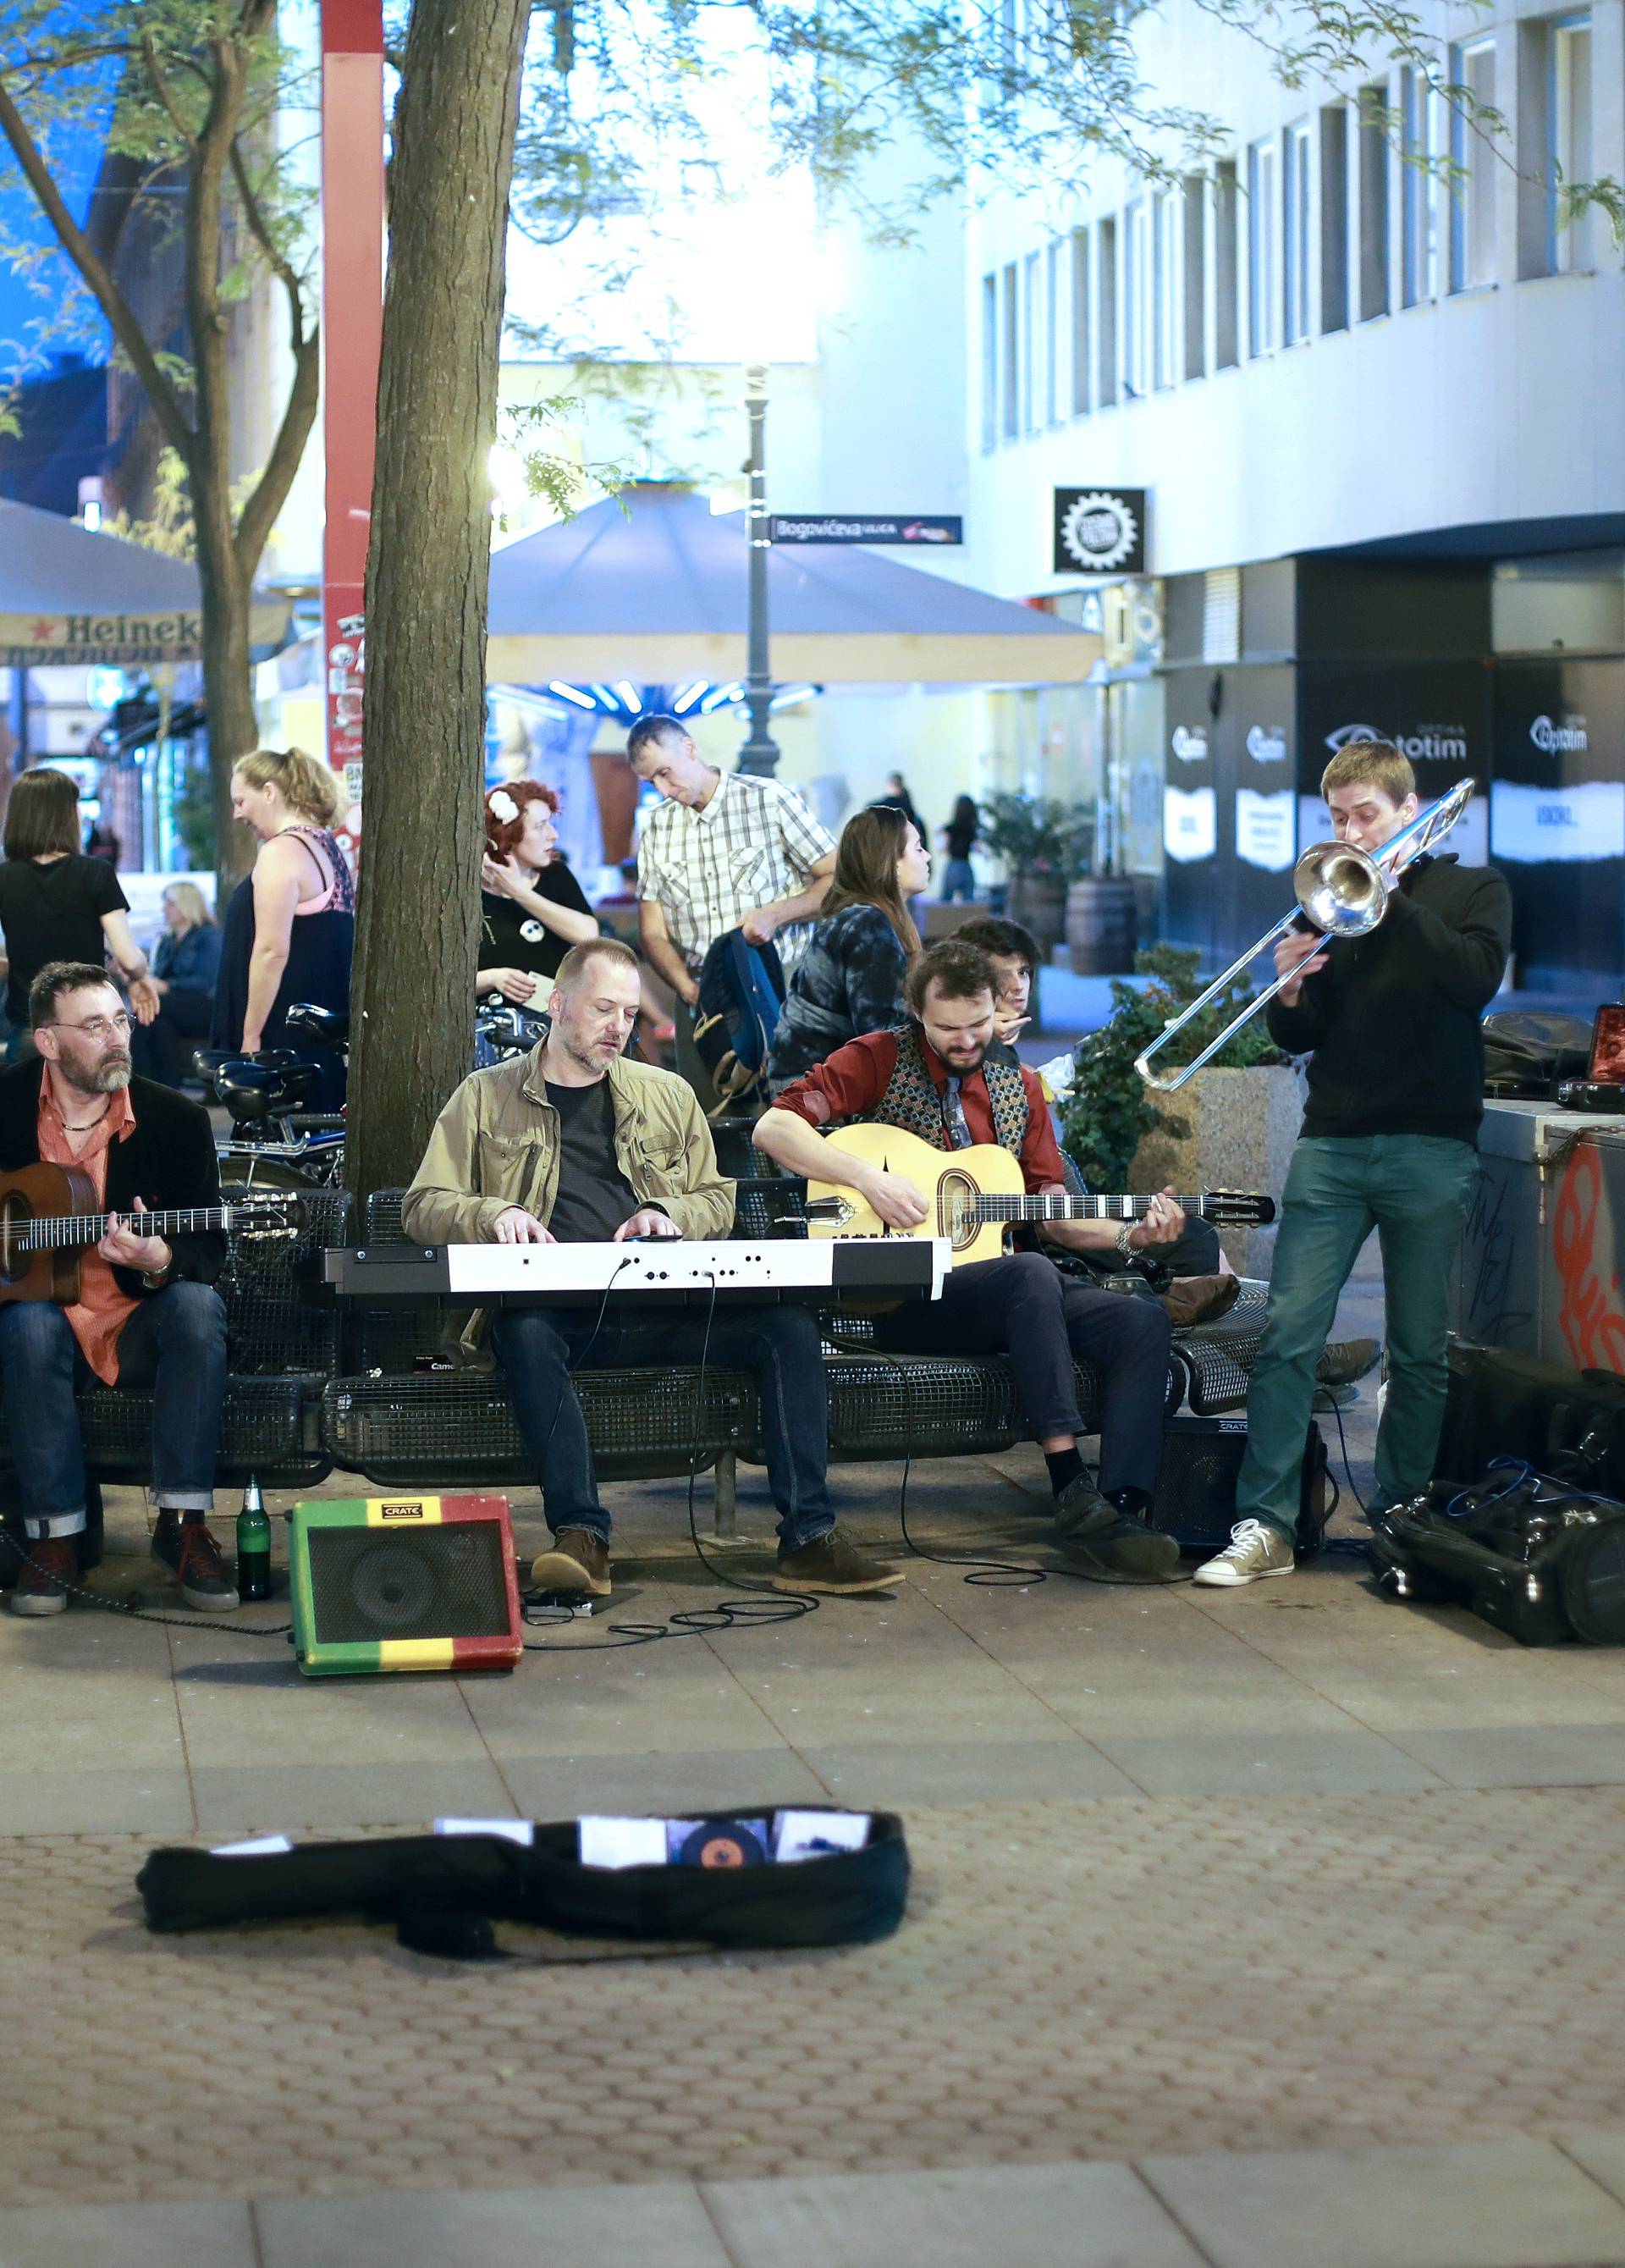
[(1343, 891)]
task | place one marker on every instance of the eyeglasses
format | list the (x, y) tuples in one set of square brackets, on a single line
[(98, 1027)]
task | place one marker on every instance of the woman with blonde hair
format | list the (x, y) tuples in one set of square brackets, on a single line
[(851, 978), (290, 926), (56, 904), (185, 964)]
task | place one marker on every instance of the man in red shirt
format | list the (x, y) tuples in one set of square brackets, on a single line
[(931, 1078)]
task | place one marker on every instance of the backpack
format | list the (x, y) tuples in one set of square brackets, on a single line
[(741, 992)]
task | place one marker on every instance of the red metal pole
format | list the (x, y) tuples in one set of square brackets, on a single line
[(352, 302)]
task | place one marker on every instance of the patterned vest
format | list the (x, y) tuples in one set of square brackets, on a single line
[(911, 1100)]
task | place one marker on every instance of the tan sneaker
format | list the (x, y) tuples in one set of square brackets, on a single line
[(578, 1561), (1255, 1550)]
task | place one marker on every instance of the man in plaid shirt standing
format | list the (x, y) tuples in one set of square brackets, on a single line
[(725, 851)]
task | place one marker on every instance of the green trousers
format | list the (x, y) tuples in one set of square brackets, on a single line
[(1413, 1189)]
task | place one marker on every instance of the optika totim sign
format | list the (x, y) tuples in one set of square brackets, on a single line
[(1430, 744), (1557, 739)]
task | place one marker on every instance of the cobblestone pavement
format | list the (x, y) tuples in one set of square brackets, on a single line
[(1286, 1871)]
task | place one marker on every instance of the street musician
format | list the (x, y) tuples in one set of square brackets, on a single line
[(935, 1079), (145, 1311), (573, 1143)]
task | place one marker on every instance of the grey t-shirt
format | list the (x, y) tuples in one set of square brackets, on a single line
[(594, 1196)]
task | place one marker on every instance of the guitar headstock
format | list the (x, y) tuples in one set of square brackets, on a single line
[(267, 1216), (1237, 1208)]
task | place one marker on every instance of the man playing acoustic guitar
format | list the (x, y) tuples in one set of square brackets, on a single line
[(930, 1079), (144, 1313)]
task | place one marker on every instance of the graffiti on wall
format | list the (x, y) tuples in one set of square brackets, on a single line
[(1586, 1255)]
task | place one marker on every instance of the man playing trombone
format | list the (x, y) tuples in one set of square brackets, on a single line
[(1390, 1020)]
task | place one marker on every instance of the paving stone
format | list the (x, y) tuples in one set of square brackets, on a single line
[(591, 2227), (127, 2236)]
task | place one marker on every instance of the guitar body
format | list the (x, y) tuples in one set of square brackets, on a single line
[(31, 1193), (944, 1177)]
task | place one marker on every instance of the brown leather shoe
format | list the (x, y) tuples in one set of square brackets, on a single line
[(579, 1561), (1192, 1299), (52, 1561), (830, 1564)]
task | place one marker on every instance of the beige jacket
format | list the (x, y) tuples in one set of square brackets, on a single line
[(497, 1145)]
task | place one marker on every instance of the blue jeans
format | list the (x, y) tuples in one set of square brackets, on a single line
[(174, 1343), (538, 1348), (958, 881), (1413, 1189)]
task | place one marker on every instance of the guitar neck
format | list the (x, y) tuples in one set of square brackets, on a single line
[(54, 1233), (1063, 1207)]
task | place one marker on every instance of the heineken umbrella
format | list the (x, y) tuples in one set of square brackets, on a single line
[(654, 592), (68, 596)]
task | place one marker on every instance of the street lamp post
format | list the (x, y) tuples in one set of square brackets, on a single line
[(761, 752)]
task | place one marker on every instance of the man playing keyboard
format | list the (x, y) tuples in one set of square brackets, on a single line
[(572, 1144)]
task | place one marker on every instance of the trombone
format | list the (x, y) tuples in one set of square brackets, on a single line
[(1340, 892)]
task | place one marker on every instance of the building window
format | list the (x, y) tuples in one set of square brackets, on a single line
[(1263, 250), (1373, 202), (1335, 218), (990, 361), (1106, 319), (1165, 287), (1226, 322), (1418, 189), (1010, 354), (1137, 298), (1472, 157), (1569, 139), (1032, 340), (1296, 210), (1055, 335), (1194, 237), (1080, 322)]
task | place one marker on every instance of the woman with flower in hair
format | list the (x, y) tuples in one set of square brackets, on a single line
[(531, 909)]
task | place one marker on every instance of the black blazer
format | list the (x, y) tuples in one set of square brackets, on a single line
[(169, 1162)]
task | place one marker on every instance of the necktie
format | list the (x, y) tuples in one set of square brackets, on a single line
[(953, 1119)]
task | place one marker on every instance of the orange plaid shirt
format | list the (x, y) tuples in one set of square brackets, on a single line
[(101, 1310)]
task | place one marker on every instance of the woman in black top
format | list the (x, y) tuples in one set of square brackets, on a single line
[(531, 909), (55, 904), (851, 978), (958, 879)]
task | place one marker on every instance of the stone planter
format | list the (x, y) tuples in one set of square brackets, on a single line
[(1243, 1126)]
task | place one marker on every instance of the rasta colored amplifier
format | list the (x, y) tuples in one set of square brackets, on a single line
[(403, 1582)]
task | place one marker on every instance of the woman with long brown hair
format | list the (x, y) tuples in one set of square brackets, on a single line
[(851, 978)]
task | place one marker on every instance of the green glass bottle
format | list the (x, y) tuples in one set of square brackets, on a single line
[(253, 1545)]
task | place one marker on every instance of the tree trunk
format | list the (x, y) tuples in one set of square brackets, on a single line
[(228, 700), (427, 571)]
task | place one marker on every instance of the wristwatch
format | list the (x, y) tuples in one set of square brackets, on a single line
[(1125, 1250)]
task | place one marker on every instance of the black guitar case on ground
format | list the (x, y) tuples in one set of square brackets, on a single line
[(1536, 1558), (1567, 1423)]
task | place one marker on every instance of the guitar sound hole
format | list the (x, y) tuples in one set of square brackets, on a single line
[(956, 1215)]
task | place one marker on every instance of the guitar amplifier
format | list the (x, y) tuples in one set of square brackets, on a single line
[(1195, 1499), (403, 1582)]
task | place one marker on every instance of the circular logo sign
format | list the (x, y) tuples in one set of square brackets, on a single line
[(1099, 530), (531, 932)]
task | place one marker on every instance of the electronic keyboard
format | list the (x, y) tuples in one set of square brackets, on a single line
[(831, 1272)]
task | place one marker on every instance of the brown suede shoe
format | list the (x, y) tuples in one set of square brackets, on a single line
[(52, 1561), (830, 1564), (1191, 1299), (578, 1561)]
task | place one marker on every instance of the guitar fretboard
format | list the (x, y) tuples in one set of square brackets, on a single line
[(1058, 1207), (51, 1232)]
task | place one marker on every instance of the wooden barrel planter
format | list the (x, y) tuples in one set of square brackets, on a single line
[(1038, 905), (1100, 926)]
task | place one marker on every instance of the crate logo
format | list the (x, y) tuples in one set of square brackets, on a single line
[(414, 1511), (1099, 531)]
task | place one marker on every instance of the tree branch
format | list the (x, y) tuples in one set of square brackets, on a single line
[(258, 514), (160, 84), (254, 214), (165, 402)]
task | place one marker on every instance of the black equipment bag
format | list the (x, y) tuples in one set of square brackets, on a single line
[(1527, 1051), (1533, 1556), (1567, 1423), (442, 1891), (1195, 1499), (742, 993)]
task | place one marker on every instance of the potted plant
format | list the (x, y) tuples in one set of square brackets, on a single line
[(1231, 1127), (1046, 847)]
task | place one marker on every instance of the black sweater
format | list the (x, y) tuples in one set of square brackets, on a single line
[(1391, 1023), (168, 1162)]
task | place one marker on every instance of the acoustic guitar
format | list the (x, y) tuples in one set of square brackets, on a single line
[(48, 1216), (975, 1194)]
